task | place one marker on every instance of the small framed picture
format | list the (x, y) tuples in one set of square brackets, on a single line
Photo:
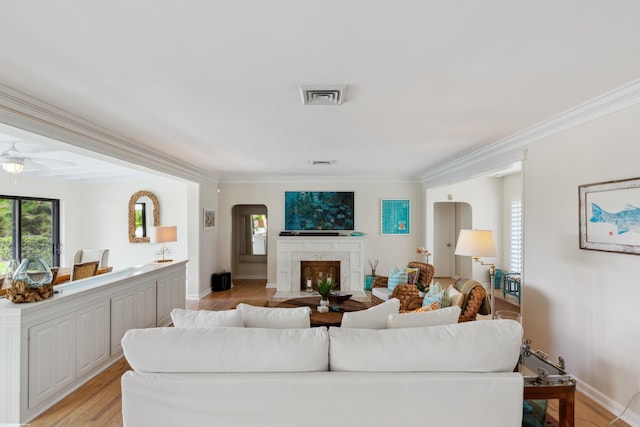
[(395, 216), (209, 219)]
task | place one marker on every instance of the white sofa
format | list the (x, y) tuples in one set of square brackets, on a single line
[(450, 375)]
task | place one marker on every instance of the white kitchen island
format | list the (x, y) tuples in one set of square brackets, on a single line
[(49, 348)]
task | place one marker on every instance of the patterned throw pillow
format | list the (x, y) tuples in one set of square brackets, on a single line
[(433, 306), (396, 277), (412, 275), (436, 293)]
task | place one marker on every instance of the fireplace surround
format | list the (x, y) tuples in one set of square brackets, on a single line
[(348, 250)]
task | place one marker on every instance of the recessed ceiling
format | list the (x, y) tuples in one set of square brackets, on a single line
[(216, 84)]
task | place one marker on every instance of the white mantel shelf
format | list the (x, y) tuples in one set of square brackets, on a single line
[(348, 250)]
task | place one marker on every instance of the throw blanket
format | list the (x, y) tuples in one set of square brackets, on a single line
[(466, 285)]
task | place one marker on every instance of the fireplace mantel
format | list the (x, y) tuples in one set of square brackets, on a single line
[(346, 249)]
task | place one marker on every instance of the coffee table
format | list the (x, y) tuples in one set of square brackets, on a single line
[(330, 318), (545, 380)]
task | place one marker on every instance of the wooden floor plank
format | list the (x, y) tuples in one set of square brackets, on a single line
[(98, 402)]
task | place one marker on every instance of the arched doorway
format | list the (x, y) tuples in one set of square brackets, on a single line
[(249, 241)]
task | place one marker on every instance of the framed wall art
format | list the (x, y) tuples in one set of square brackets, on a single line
[(395, 216), (610, 216), (209, 219)]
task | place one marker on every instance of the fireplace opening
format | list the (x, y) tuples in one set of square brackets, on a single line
[(313, 271)]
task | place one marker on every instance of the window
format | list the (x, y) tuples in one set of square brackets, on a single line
[(516, 235), (29, 227)]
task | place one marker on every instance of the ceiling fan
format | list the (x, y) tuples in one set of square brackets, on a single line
[(14, 161)]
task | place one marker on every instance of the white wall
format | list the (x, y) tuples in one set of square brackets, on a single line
[(389, 250), (485, 197), (582, 304)]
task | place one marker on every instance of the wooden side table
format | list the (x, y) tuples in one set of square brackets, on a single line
[(545, 380)]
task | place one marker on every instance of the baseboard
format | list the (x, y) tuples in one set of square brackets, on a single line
[(609, 404)]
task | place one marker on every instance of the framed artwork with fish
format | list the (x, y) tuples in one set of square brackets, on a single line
[(610, 216)]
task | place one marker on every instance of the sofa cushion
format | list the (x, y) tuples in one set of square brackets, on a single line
[(382, 293), (444, 316), (227, 349), (275, 318), (205, 318), (455, 296), (371, 318), (487, 346)]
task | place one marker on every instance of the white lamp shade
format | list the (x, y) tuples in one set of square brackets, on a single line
[(164, 233), (478, 243), (13, 166)]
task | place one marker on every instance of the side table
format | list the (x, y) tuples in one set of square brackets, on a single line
[(368, 281), (545, 380)]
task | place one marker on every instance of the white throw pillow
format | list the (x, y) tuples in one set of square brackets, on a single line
[(371, 318), (443, 316), (455, 295), (275, 318), (227, 349), (482, 346), (205, 318)]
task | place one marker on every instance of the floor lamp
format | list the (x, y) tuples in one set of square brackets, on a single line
[(164, 234), (476, 244)]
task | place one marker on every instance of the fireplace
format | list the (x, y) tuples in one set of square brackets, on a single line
[(311, 272), (347, 251)]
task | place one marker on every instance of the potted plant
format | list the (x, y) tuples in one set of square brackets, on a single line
[(324, 288)]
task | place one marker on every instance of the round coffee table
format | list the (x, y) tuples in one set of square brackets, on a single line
[(330, 318)]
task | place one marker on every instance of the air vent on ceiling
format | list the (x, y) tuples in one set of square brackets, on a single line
[(322, 95), (322, 162)]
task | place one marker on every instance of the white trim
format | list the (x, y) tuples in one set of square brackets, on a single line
[(513, 147), (24, 112)]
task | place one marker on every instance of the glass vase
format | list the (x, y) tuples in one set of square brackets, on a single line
[(35, 272)]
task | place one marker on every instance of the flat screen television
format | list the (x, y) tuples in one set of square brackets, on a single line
[(318, 210)]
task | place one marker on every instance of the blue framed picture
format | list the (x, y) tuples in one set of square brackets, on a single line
[(395, 216)]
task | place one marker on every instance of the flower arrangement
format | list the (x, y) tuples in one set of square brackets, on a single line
[(425, 252)]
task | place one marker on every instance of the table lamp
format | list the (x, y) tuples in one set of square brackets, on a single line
[(164, 234), (476, 244)]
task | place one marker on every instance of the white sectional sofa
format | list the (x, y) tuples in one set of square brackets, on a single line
[(450, 375)]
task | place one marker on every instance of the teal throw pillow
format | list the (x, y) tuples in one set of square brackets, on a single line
[(396, 277), (437, 294)]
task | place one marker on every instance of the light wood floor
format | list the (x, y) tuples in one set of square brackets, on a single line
[(97, 403)]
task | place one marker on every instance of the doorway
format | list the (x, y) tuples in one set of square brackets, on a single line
[(249, 243), (449, 219)]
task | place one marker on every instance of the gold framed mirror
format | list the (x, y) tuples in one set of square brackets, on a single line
[(143, 206)]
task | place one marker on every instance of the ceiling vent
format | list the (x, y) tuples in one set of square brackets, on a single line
[(322, 95), (322, 162)]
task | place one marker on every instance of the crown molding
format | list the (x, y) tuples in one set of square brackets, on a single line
[(27, 113), (513, 147)]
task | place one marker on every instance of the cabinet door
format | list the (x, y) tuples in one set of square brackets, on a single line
[(52, 357), (171, 294), (122, 319), (146, 306), (93, 336)]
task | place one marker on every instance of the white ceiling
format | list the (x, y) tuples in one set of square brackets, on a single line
[(215, 83)]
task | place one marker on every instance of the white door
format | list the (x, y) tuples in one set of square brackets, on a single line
[(443, 239)]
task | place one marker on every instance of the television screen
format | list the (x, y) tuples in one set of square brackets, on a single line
[(318, 210)]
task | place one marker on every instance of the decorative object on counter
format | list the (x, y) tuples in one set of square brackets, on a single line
[(425, 252), (373, 266), (358, 234), (32, 281), (164, 234)]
